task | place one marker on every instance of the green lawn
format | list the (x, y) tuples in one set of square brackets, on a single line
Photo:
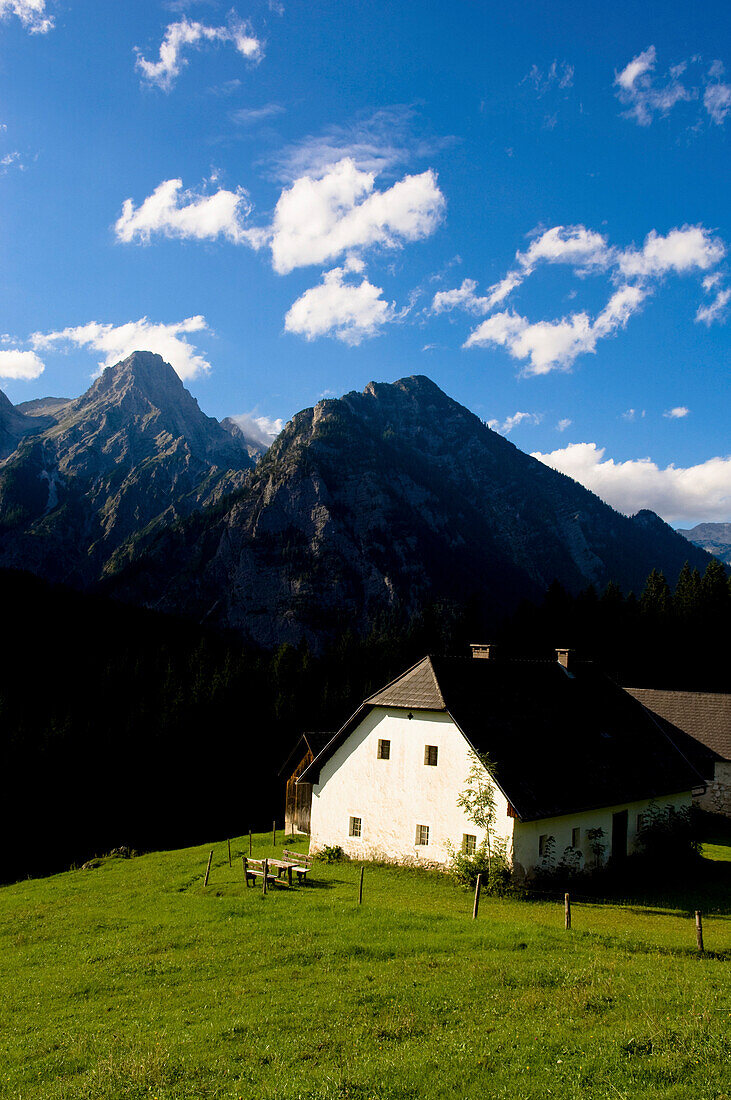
[(131, 980)]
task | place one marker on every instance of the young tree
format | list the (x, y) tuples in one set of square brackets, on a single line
[(478, 799)]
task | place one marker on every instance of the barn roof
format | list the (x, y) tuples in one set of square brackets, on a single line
[(306, 742), (560, 741), (704, 715)]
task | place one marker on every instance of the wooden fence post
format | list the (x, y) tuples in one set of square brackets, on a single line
[(243, 864), (360, 887), (229, 853), (274, 833), (567, 910), (699, 929), (476, 905), (208, 868), (264, 878), (249, 841)]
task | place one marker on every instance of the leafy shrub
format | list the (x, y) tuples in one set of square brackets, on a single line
[(667, 837), (332, 853), (496, 874)]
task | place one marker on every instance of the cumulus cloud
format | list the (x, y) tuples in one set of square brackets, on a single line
[(677, 413), (349, 311), (555, 344), (551, 345), (679, 494), (172, 212), (316, 220), (262, 430), (185, 35), (31, 13), (563, 424), (513, 421), (116, 342), (17, 364)]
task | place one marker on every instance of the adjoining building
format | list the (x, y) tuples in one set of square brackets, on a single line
[(571, 753), (298, 796), (699, 723)]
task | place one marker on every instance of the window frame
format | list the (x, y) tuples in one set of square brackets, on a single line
[(576, 838), (469, 844), (352, 826), (428, 751), (422, 836), (384, 742)]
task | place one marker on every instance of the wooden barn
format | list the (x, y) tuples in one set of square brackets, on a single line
[(298, 796)]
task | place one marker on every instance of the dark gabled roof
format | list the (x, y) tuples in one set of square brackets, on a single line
[(417, 687), (306, 742), (705, 716), (561, 742)]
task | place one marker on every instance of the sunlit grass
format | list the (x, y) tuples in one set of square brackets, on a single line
[(132, 980)]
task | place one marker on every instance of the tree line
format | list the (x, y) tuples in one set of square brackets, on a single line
[(122, 726)]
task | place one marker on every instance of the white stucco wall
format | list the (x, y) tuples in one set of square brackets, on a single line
[(393, 796), (527, 834)]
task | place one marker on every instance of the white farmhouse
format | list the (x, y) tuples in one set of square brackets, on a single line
[(572, 752)]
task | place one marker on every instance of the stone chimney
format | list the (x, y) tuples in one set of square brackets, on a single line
[(483, 652), (565, 658)]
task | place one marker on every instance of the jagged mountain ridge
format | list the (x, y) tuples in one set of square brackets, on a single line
[(132, 453), (387, 499)]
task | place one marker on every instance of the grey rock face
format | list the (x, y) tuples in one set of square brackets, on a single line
[(389, 499), (713, 537), (131, 454)]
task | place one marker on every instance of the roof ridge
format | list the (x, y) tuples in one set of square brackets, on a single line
[(437, 685)]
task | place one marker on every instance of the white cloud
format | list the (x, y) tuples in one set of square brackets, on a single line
[(375, 142), (185, 35), (677, 413), (549, 345), (715, 310), (717, 101), (9, 161), (262, 430), (563, 424), (250, 116), (116, 342), (680, 495), (348, 311), (18, 364), (172, 212), (31, 13), (643, 95), (558, 75), (632, 414), (691, 248), (513, 421), (316, 220)]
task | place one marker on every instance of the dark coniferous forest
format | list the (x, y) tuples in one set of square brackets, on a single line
[(122, 726)]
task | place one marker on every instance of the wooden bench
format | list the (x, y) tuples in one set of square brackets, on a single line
[(257, 868), (301, 864)]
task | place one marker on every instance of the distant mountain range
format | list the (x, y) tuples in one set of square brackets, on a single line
[(378, 501), (713, 537)]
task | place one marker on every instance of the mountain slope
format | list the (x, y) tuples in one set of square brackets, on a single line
[(15, 425), (133, 452), (713, 537), (390, 499)]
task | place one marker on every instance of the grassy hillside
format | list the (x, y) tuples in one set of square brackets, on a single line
[(130, 980)]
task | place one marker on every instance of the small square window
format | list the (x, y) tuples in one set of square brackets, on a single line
[(355, 826), (469, 844), (422, 834), (430, 754), (575, 838), (384, 749)]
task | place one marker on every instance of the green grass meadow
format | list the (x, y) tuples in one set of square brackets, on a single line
[(132, 980)]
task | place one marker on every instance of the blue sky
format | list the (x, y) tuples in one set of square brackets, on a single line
[(288, 200)]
